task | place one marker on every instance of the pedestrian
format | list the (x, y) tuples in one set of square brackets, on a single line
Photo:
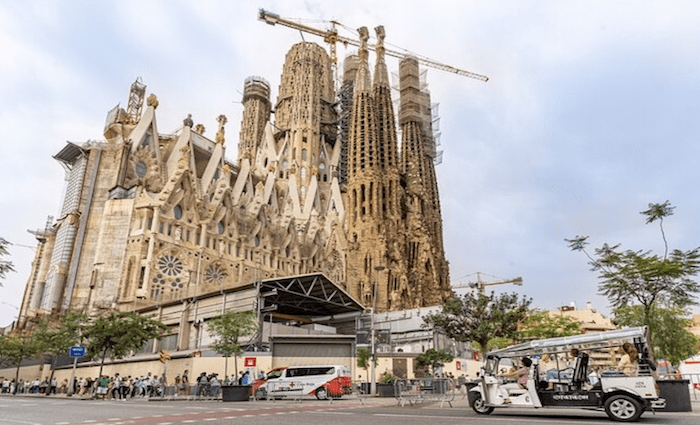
[(185, 383), (215, 385), (53, 384), (245, 379), (116, 387), (102, 386), (202, 383)]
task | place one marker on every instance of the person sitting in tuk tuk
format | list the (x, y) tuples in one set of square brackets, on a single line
[(630, 360), (554, 374), (521, 375)]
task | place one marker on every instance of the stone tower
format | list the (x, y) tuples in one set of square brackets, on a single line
[(305, 116), (256, 114), (367, 243), (428, 271)]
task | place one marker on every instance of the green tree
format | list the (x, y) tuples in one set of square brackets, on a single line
[(628, 276), (56, 338), (479, 318), (5, 265), (540, 325), (364, 359), (493, 344), (227, 329), (18, 347), (119, 334), (434, 358), (669, 337)]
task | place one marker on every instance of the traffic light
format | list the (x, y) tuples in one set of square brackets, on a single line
[(164, 356)]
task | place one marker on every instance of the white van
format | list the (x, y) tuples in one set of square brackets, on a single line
[(321, 381)]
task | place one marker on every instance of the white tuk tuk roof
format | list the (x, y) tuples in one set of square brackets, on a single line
[(563, 344)]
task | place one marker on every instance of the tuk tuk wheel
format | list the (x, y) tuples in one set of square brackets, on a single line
[(480, 407), (322, 393), (260, 394), (623, 408)]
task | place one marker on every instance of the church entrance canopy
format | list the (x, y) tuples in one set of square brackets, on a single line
[(306, 296)]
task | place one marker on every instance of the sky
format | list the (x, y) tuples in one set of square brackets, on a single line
[(591, 112)]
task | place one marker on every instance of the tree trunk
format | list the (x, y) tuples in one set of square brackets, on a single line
[(102, 363), (53, 370)]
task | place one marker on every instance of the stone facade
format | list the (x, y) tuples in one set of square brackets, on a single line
[(150, 218)]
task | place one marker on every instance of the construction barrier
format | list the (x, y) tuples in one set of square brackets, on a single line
[(425, 390)]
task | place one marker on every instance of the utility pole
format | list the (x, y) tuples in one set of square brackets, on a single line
[(373, 376)]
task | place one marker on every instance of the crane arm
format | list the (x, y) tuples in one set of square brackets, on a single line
[(331, 36)]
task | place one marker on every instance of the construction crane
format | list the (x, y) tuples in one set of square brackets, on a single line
[(481, 285), (332, 37)]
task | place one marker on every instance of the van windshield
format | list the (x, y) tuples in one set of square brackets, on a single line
[(274, 374)]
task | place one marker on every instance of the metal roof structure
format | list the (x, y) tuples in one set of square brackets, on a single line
[(306, 296), (595, 341)]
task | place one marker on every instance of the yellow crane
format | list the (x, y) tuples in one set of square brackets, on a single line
[(332, 37), (481, 285)]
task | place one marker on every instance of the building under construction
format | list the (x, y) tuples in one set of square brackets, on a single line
[(332, 203)]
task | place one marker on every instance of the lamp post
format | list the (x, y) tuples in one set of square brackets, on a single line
[(373, 377)]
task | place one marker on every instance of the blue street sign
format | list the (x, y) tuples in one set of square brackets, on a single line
[(77, 351)]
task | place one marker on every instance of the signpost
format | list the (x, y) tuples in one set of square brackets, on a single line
[(75, 352)]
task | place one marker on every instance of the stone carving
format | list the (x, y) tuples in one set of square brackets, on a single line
[(187, 122), (152, 100)]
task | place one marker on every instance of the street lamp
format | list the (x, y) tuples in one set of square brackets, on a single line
[(373, 377)]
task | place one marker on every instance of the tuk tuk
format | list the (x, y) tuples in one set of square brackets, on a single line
[(624, 397)]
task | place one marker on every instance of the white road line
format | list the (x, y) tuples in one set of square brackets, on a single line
[(463, 418), (20, 422)]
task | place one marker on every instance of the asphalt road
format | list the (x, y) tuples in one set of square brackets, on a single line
[(372, 411)]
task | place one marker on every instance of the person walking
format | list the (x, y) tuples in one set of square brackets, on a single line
[(185, 388), (116, 387)]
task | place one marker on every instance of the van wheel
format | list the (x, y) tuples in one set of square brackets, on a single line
[(260, 394), (479, 406), (623, 408), (322, 393)]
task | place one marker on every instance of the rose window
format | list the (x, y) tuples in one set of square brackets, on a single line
[(215, 274), (170, 265)]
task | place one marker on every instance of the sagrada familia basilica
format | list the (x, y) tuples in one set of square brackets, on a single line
[(328, 182)]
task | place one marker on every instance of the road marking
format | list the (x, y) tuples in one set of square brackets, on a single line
[(20, 422), (462, 418), (334, 412)]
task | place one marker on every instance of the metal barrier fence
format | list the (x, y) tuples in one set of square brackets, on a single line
[(425, 390), (693, 385)]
